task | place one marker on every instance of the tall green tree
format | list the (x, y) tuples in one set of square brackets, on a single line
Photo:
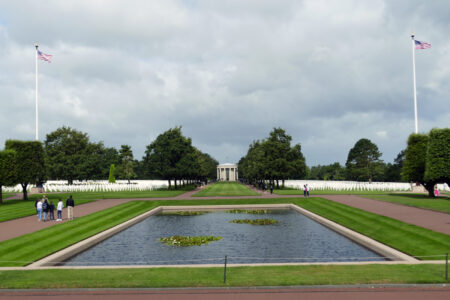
[(30, 163), (94, 164), (8, 173), (67, 154), (415, 155), (252, 166), (207, 166), (112, 176), (393, 171), (273, 159), (126, 163), (277, 148), (141, 170), (363, 162), (297, 165), (327, 172), (437, 168), (427, 159), (170, 156), (108, 156)]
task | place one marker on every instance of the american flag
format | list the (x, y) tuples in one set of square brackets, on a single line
[(422, 45), (43, 56)]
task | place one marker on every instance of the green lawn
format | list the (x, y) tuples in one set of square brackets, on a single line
[(7, 195), (326, 192), (416, 200), (213, 277), (226, 189), (407, 238), (13, 209)]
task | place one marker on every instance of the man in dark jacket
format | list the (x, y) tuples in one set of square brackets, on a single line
[(70, 204)]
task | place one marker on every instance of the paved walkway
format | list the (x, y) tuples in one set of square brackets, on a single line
[(421, 217), (311, 293)]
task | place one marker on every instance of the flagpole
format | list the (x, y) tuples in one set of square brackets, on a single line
[(37, 86), (414, 77)]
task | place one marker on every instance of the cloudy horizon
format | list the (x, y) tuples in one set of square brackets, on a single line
[(228, 72)]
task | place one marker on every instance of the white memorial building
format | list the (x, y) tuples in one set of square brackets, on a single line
[(227, 172)]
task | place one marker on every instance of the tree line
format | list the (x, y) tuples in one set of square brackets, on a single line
[(68, 154), (426, 160)]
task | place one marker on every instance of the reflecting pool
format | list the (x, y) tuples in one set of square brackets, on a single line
[(295, 238)]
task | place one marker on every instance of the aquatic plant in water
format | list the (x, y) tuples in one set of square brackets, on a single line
[(253, 212), (185, 241), (254, 221), (182, 213)]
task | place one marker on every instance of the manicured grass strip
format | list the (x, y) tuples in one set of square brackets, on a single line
[(13, 209), (326, 192), (416, 200), (411, 239), (31, 247), (226, 189), (213, 277)]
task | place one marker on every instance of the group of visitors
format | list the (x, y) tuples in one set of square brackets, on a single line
[(45, 209)]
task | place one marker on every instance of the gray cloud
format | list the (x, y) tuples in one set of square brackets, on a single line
[(329, 72)]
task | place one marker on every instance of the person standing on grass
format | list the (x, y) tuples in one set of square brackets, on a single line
[(70, 204), (307, 191), (59, 208), (39, 208), (304, 190)]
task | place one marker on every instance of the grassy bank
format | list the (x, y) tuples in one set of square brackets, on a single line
[(288, 191), (13, 209), (441, 204), (416, 200), (7, 195), (213, 277), (407, 238), (226, 189)]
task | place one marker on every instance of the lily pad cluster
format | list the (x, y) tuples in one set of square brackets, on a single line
[(183, 213), (186, 241), (253, 212), (255, 221)]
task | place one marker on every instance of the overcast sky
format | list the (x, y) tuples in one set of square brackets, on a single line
[(227, 71)]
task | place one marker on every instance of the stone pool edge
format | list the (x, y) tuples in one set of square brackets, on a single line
[(64, 254)]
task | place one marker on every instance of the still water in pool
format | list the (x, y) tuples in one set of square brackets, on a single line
[(295, 238)]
